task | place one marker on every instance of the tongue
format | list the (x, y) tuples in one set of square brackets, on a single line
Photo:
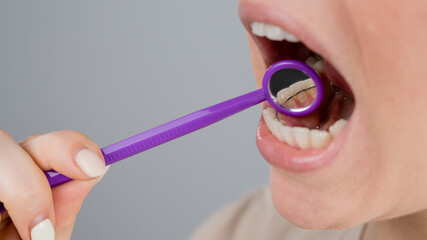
[(337, 103)]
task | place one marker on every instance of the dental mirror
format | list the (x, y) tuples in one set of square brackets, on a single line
[(293, 88)]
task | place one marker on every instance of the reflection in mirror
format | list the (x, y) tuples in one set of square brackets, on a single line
[(293, 89), (298, 95)]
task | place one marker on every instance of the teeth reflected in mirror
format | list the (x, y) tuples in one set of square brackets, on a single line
[(293, 89), (298, 95)]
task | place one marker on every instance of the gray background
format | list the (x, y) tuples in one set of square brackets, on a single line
[(111, 69)]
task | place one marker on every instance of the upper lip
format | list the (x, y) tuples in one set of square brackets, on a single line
[(261, 12)]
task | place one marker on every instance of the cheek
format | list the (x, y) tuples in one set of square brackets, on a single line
[(395, 100), (257, 62)]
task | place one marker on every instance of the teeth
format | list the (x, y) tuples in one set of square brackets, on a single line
[(318, 66), (319, 138), (310, 61), (288, 135), (304, 98), (316, 63), (291, 104), (312, 92), (301, 137), (272, 32), (272, 123), (337, 127)]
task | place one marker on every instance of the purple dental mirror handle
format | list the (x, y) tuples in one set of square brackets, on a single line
[(200, 119), (167, 132)]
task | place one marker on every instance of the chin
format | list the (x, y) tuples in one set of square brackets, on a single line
[(309, 208)]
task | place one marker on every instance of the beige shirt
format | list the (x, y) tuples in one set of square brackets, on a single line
[(254, 218)]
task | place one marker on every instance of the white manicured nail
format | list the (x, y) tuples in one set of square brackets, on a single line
[(90, 163), (43, 231)]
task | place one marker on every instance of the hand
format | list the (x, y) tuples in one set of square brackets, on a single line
[(34, 210)]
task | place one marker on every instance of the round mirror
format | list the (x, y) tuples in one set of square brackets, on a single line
[(293, 88)]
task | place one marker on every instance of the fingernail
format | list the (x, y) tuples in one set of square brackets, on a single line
[(43, 231), (99, 179), (90, 163)]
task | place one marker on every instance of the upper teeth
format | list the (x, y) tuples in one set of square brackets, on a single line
[(303, 92), (301, 137), (272, 32)]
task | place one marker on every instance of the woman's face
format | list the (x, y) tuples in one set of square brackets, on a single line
[(375, 168)]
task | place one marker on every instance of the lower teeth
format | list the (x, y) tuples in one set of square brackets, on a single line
[(301, 137)]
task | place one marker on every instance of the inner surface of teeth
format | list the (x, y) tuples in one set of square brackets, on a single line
[(298, 95)]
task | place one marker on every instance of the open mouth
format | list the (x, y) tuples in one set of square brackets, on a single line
[(305, 136), (319, 128)]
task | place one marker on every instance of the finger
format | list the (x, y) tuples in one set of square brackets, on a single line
[(68, 199), (24, 190), (68, 152), (76, 156)]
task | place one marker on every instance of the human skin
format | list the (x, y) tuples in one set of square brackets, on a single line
[(25, 191), (379, 174)]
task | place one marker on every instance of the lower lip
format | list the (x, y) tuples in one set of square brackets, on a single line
[(292, 159)]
